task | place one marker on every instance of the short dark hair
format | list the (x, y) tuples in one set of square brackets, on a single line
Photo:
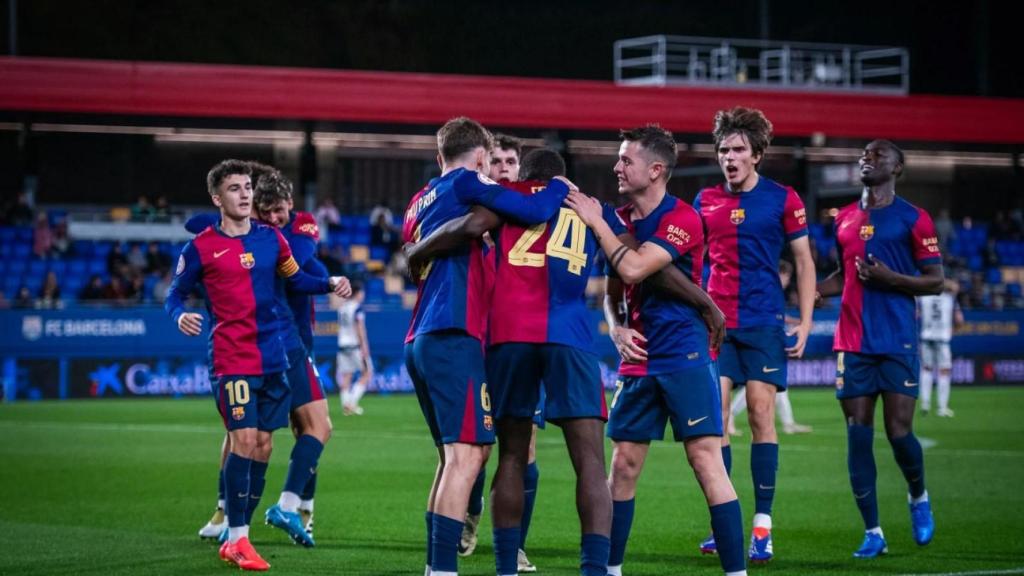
[(461, 135), (259, 170), (541, 164), (750, 122), (657, 141), (271, 188), (894, 148), (506, 142), (222, 170)]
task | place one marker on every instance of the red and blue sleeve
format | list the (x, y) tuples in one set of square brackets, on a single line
[(188, 273), (475, 188), (298, 281), (924, 240), (794, 216), (678, 232)]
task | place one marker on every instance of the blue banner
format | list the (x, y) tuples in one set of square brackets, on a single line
[(86, 353)]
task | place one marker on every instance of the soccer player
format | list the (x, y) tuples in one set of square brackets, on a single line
[(889, 254), (939, 316), (666, 370), (309, 415), (238, 262), (444, 354), (353, 351), (748, 219)]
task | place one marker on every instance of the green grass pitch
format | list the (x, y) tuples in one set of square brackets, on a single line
[(122, 486)]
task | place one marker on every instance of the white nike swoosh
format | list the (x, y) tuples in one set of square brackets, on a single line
[(763, 487), (768, 370), (691, 422), (909, 384), (862, 496), (713, 208), (221, 253)]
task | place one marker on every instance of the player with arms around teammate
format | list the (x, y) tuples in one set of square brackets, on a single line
[(353, 351), (940, 314), (889, 253), (539, 332), (239, 263), (444, 354), (666, 370)]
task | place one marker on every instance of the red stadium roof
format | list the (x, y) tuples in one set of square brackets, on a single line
[(204, 90)]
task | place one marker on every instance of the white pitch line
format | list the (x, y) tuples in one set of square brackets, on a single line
[(978, 573)]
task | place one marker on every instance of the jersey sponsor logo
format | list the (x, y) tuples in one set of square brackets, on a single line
[(931, 243), (677, 235), (247, 260), (692, 422), (867, 231), (737, 216), (221, 253), (800, 215), (309, 228), (238, 412), (181, 266)]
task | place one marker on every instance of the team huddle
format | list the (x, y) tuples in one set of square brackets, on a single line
[(500, 341)]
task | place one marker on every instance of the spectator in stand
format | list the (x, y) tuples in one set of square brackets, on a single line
[(156, 261), (49, 294), (20, 213), (61, 242), (115, 290), (334, 265), (327, 216), (162, 212), (117, 263), (42, 236), (991, 255), (24, 298), (142, 210), (1002, 228), (384, 233), (1016, 224), (162, 286), (92, 291), (136, 259), (945, 230)]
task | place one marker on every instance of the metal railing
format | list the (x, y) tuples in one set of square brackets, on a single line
[(732, 62)]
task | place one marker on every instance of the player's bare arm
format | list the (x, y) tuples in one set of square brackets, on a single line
[(626, 340), (454, 234), (874, 272), (673, 282), (806, 277), (633, 266)]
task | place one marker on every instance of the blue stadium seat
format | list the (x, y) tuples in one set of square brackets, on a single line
[(974, 263), (34, 283), (97, 267), (77, 266), (8, 234), (24, 233), (17, 266), (37, 267), (21, 251), (379, 253), (59, 267), (82, 248), (993, 276)]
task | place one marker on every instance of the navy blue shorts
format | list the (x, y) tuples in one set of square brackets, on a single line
[(642, 405), (870, 374), (757, 353), (304, 379), (260, 402), (567, 379), (447, 371)]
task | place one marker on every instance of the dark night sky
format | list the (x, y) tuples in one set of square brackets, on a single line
[(962, 48)]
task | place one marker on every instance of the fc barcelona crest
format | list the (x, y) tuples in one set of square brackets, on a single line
[(737, 216), (238, 412), (247, 260), (867, 231)]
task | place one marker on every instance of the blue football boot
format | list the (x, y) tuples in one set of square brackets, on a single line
[(760, 546), (291, 523), (922, 522), (708, 545), (873, 546)]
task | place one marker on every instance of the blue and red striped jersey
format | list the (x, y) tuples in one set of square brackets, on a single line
[(451, 292), (876, 320), (677, 338), (250, 324), (541, 279), (745, 234)]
